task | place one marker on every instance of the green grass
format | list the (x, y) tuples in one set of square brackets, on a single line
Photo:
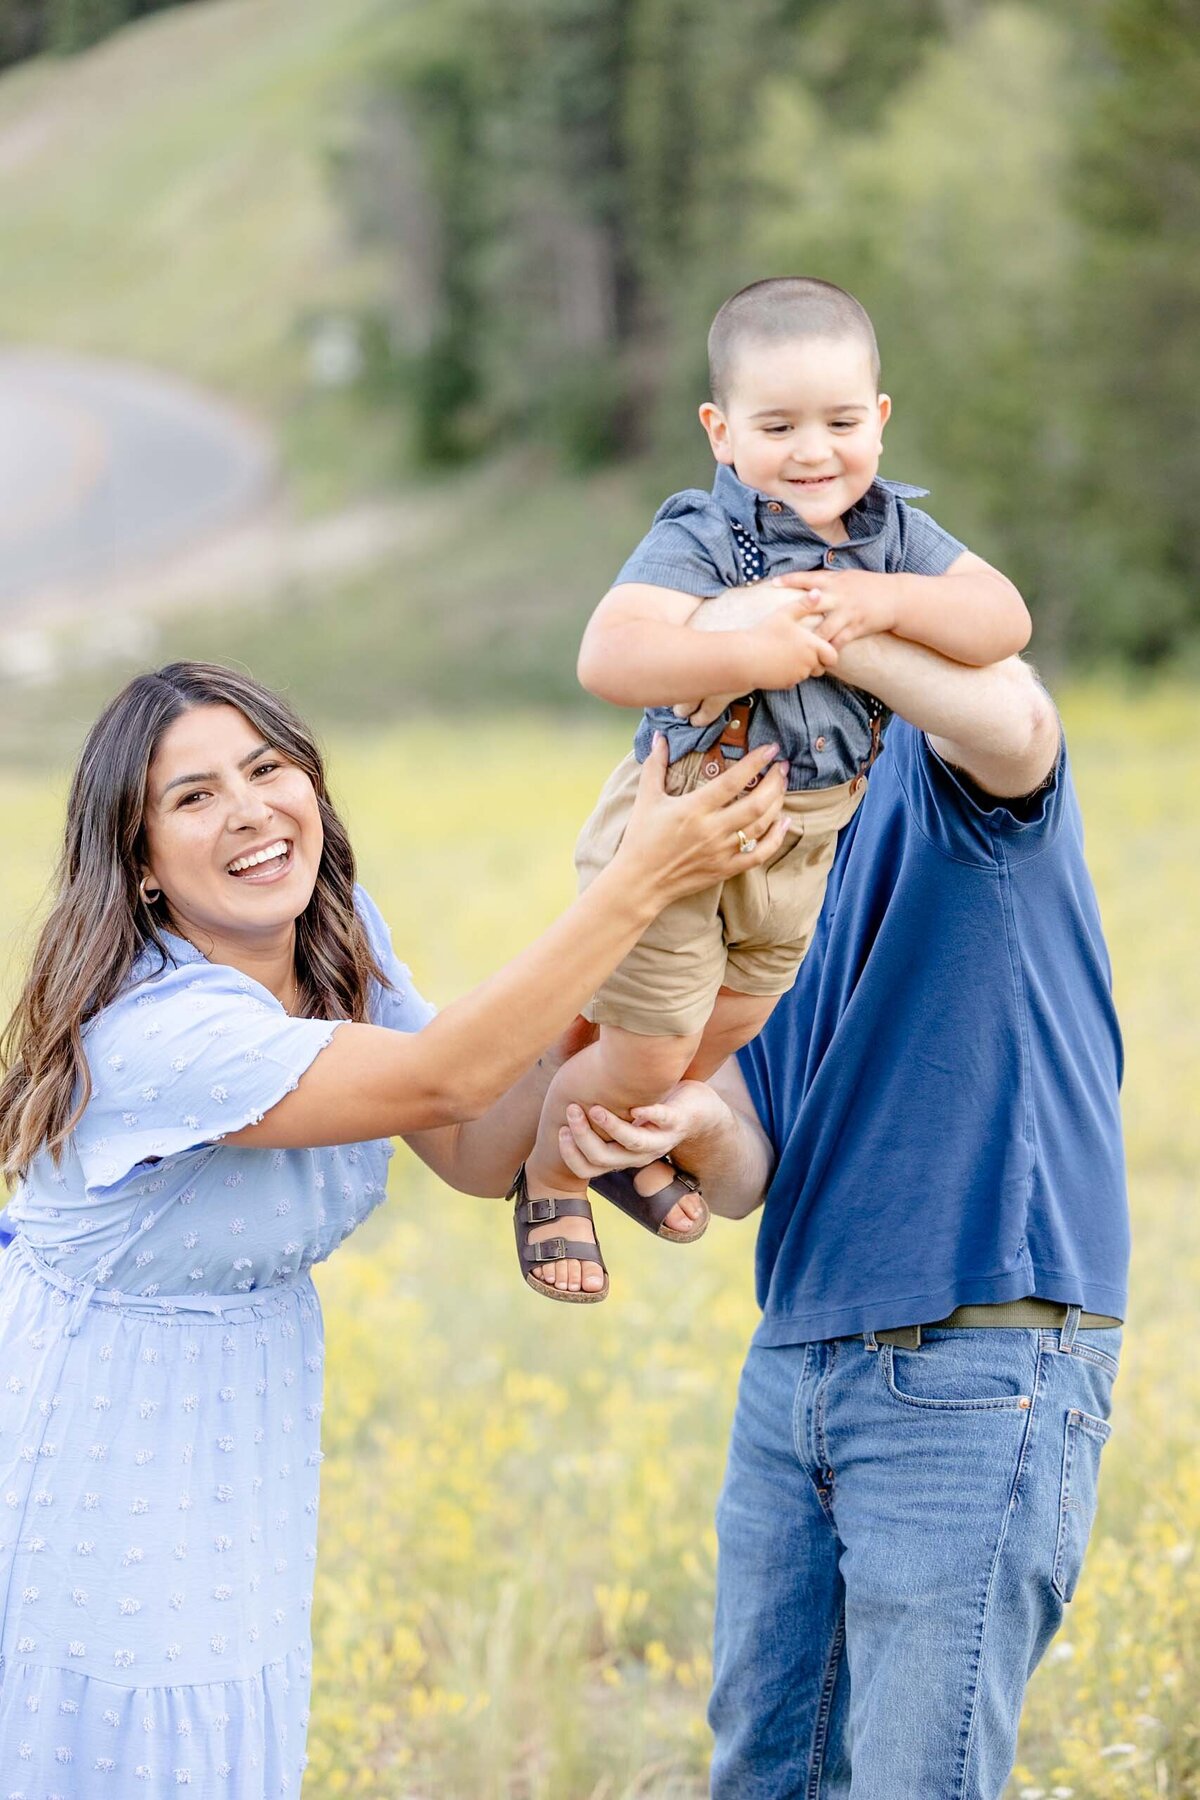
[(514, 1593)]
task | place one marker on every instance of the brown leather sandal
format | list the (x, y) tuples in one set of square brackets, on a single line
[(619, 1187), (527, 1213)]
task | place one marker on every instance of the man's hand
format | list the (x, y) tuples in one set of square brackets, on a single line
[(852, 603), (786, 648), (595, 1141)]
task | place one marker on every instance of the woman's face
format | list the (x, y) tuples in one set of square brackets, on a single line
[(233, 833)]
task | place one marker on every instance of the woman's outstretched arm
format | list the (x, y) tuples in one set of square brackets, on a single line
[(370, 1082)]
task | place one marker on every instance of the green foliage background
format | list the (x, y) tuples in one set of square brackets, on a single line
[(1012, 190)]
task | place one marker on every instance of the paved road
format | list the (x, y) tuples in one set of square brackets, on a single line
[(105, 467)]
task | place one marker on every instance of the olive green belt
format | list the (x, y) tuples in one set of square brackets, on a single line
[(1005, 1313)]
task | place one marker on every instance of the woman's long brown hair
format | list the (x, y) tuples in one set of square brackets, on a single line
[(99, 923)]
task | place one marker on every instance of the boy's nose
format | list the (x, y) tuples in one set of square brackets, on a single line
[(812, 448)]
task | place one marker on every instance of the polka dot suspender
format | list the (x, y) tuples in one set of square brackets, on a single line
[(749, 555)]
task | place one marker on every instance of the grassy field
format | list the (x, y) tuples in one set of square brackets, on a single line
[(516, 1577)]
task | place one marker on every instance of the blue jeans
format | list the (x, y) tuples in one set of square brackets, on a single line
[(899, 1532)]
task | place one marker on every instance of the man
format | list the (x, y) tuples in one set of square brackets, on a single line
[(931, 1118)]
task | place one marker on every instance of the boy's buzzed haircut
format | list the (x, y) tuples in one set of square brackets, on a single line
[(784, 306)]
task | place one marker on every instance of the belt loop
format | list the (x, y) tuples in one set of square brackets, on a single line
[(869, 1340), (1070, 1326)]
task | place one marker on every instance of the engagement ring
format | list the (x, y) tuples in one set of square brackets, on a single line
[(746, 844)]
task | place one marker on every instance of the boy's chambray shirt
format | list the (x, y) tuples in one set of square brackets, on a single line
[(822, 726)]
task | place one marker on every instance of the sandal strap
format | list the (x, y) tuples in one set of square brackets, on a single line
[(554, 1206), (620, 1189), (558, 1249)]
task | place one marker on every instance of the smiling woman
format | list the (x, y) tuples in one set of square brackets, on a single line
[(186, 1149)]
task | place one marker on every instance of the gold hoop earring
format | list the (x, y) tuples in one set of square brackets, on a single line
[(148, 899)]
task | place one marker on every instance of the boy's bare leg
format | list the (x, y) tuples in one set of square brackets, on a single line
[(735, 1019), (621, 1070)]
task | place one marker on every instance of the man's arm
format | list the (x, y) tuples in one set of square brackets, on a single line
[(997, 724), (709, 1127)]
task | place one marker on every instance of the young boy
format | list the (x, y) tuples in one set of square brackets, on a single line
[(795, 423)]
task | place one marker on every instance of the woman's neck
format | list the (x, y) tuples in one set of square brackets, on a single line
[(269, 959)]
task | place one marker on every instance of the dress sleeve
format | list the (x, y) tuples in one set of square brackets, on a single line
[(688, 548), (182, 1059), (398, 1005), (926, 548)]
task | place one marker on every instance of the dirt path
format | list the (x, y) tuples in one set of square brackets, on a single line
[(107, 468), (124, 493)]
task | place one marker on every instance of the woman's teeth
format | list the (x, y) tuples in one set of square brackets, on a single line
[(270, 853)]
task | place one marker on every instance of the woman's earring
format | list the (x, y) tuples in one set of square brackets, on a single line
[(148, 895)]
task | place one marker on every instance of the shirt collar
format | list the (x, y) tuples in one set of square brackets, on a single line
[(746, 506), (150, 960)]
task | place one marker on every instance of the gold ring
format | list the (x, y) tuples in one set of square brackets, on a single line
[(746, 844)]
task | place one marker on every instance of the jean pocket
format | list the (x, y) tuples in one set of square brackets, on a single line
[(1083, 1440), (964, 1371)]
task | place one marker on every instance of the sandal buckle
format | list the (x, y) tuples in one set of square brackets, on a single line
[(549, 1250), (540, 1212)]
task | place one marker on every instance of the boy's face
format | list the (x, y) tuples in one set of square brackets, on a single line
[(803, 423)]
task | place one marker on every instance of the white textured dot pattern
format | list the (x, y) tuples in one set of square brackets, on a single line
[(160, 1421)]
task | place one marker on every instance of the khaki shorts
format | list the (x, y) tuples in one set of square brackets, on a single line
[(749, 934)]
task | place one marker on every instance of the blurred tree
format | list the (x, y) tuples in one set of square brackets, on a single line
[(568, 189), (1139, 194), (949, 220), (22, 29), (73, 25), (29, 26), (601, 169)]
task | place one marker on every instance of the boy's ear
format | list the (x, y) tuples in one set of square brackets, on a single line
[(717, 427), (885, 413)]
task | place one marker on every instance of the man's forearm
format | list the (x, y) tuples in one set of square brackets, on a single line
[(997, 722), (729, 1154)]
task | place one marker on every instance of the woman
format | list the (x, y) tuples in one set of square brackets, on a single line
[(213, 1046)]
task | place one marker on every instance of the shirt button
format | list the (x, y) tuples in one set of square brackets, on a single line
[(819, 743), (829, 559), (773, 506)]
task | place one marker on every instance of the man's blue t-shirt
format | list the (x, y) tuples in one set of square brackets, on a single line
[(940, 1085)]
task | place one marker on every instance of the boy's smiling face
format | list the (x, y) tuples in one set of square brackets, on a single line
[(802, 422)]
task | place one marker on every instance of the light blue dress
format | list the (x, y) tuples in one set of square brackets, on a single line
[(160, 1400)]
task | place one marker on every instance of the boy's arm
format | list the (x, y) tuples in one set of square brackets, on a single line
[(972, 612), (638, 650)]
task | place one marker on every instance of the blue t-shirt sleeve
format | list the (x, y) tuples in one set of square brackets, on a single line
[(181, 1060), (925, 547), (964, 822), (398, 1006), (687, 548)]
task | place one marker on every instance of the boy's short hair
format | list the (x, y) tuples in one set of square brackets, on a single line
[(784, 306)]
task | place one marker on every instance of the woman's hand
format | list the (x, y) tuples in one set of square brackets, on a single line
[(679, 846), (595, 1141)]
